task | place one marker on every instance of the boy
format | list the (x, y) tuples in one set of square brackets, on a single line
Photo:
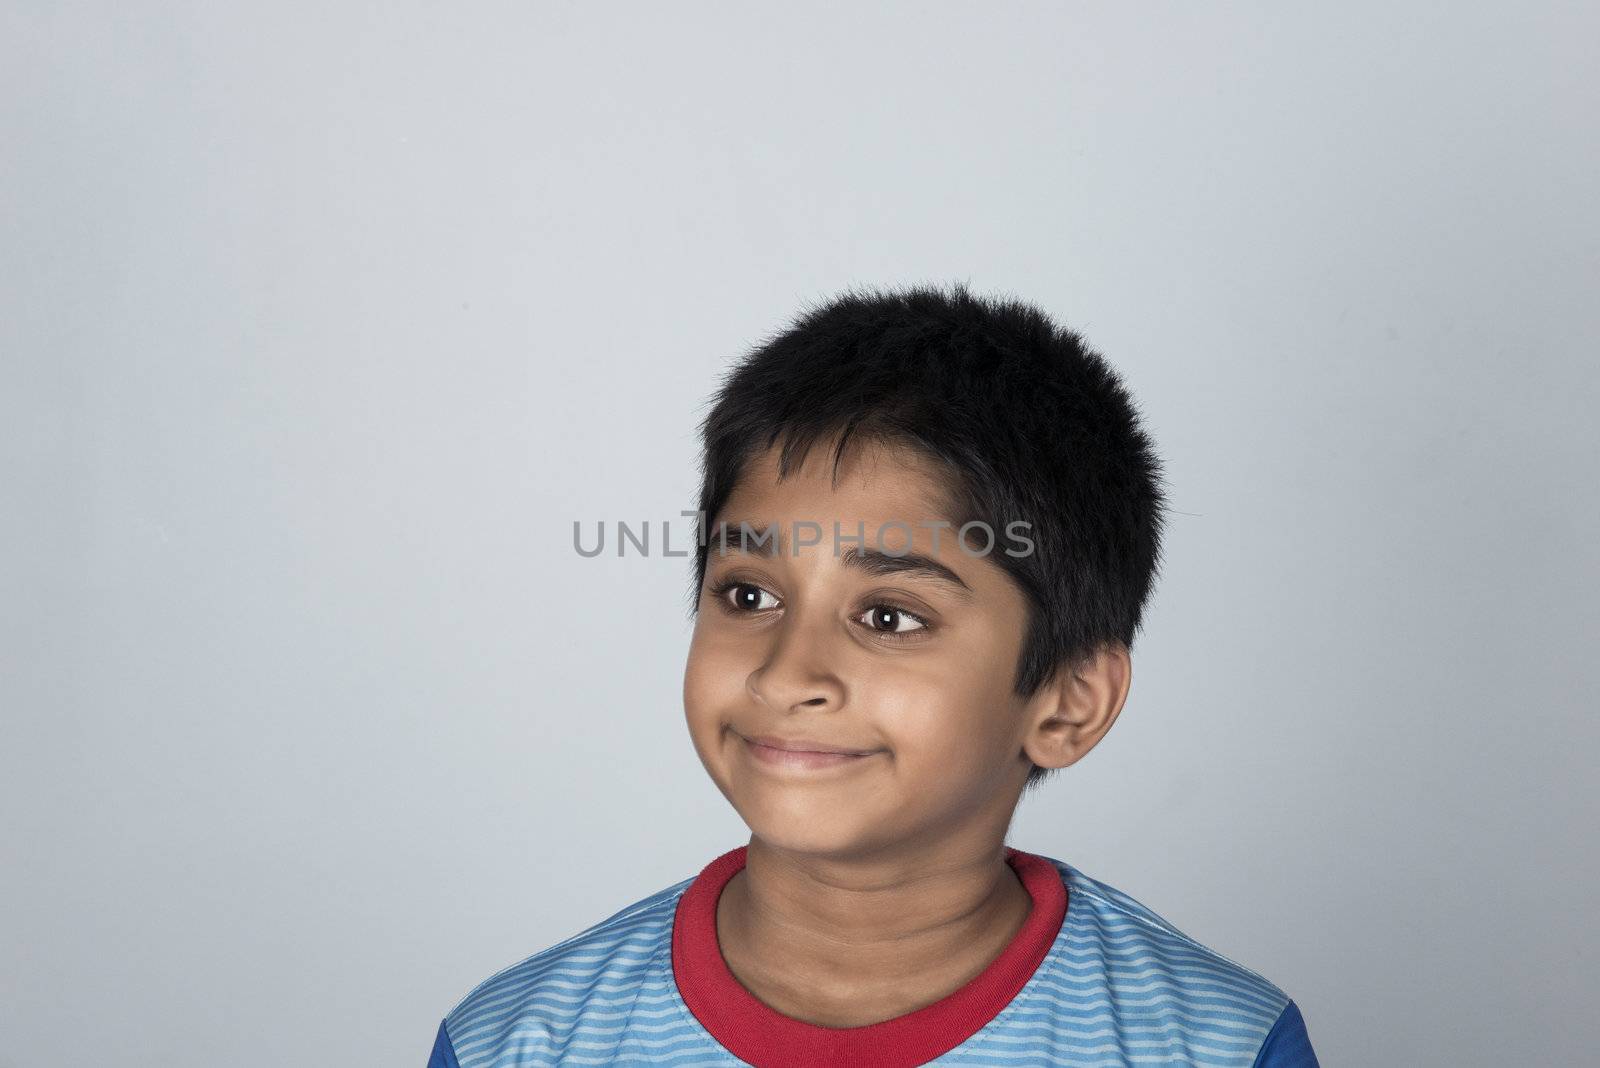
[(929, 525)]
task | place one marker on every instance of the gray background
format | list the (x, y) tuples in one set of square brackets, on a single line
[(321, 325)]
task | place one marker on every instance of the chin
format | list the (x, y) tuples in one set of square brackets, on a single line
[(815, 829), (814, 845)]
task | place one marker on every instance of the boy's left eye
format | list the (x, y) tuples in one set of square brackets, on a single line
[(888, 618)]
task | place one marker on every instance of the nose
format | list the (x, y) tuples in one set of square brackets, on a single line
[(796, 673)]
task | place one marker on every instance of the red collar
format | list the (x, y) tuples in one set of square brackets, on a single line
[(761, 1035)]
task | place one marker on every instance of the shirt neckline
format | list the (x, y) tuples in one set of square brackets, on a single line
[(759, 1034)]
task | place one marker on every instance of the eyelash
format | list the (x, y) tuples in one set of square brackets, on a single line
[(721, 590)]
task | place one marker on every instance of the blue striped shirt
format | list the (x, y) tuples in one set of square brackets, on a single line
[(1118, 986)]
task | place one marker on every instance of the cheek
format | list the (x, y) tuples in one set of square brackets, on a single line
[(937, 715), (713, 678)]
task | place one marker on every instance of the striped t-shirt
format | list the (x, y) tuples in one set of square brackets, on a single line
[(1092, 978)]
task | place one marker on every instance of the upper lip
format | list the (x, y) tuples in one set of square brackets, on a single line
[(804, 745)]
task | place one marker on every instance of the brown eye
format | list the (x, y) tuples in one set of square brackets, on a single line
[(746, 597), (891, 620)]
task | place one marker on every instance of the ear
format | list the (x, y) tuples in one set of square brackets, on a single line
[(1074, 710)]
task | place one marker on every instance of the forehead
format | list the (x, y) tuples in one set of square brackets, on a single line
[(902, 500), (874, 480)]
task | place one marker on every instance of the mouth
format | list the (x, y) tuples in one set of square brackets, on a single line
[(802, 753)]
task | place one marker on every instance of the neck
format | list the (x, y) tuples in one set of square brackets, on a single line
[(846, 942)]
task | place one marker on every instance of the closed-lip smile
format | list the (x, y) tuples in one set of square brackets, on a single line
[(805, 745), (802, 753)]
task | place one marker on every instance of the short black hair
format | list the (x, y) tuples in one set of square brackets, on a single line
[(1030, 423)]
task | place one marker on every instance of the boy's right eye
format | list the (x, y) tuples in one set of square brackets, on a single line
[(746, 597)]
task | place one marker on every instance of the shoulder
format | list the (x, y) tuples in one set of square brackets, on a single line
[(542, 1003), (1157, 989)]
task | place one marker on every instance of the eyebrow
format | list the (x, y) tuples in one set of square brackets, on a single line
[(743, 538)]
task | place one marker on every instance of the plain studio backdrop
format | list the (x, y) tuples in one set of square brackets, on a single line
[(322, 324)]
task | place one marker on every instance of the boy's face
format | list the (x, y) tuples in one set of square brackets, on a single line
[(910, 668)]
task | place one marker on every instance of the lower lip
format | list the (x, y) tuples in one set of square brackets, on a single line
[(787, 758)]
